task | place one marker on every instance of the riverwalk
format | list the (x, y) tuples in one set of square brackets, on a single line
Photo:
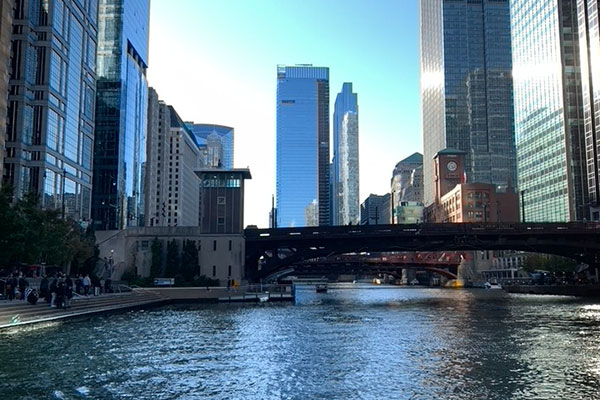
[(18, 313)]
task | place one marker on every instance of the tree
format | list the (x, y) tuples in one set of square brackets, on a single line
[(547, 262), (172, 267), (156, 266), (189, 260)]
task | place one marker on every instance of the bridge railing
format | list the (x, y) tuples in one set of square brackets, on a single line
[(424, 228)]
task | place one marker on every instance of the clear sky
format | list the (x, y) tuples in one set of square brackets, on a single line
[(216, 62)]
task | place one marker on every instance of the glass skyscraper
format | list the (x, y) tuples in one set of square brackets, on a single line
[(218, 143), (548, 110), (589, 45), (121, 114), (6, 11), (466, 88), (345, 172), (50, 121), (302, 188)]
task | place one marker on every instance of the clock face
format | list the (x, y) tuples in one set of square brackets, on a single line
[(451, 166)]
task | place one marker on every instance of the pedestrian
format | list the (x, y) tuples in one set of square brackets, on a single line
[(10, 288), (53, 289), (44, 287), (60, 295), (78, 284), (86, 284), (68, 291)]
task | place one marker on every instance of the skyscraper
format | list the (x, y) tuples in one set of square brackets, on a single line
[(345, 172), (407, 180), (466, 88), (589, 45), (50, 121), (218, 143), (172, 186), (121, 119), (548, 110), (6, 8), (302, 146)]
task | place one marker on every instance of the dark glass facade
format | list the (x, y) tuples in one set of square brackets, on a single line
[(589, 45), (466, 88), (121, 114), (302, 169), (50, 121)]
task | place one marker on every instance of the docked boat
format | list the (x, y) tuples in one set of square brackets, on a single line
[(321, 287)]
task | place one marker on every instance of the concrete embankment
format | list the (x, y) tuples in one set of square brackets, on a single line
[(19, 313)]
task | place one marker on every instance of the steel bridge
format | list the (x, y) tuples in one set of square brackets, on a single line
[(272, 250)]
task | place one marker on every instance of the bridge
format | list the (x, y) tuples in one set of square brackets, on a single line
[(272, 250)]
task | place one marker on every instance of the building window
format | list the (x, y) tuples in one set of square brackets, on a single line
[(220, 220), (230, 245), (214, 270), (229, 271), (214, 245), (221, 200)]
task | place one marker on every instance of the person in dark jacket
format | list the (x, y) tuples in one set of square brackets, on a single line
[(68, 291), (23, 284), (44, 287), (60, 295)]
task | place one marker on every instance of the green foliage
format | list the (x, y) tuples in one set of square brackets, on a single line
[(132, 279), (172, 267), (549, 263), (156, 266), (32, 235), (189, 260)]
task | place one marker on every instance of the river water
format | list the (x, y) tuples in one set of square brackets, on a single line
[(366, 343)]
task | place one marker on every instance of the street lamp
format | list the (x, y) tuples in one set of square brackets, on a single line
[(523, 205)]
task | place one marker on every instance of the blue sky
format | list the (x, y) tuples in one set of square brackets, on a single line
[(215, 62)]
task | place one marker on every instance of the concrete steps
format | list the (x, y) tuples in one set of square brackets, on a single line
[(18, 313)]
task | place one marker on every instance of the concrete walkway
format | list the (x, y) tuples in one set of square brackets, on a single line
[(19, 313)]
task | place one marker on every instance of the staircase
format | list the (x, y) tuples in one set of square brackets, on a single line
[(18, 313)]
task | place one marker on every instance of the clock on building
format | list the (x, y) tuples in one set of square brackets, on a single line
[(451, 166)]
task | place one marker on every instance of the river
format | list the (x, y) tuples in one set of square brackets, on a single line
[(364, 343)]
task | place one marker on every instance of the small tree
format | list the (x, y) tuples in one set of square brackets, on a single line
[(156, 267), (189, 260), (172, 267)]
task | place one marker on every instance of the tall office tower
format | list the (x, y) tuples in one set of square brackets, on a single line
[(121, 119), (376, 210), (407, 179), (466, 88), (173, 188), (155, 157), (50, 121), (217, 141), (345, 172), (302, 146), (6, 9), (589, 51), (548, 110)]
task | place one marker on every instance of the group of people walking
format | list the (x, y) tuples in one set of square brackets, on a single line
[(57, 290)]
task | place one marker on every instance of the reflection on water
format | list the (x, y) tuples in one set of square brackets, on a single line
[(344, 344)]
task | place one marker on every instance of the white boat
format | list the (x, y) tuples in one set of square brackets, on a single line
[(494, 285), (263, 297)]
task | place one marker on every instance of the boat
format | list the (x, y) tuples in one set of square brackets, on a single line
[(321, 287), (263, 297), (492, 285)]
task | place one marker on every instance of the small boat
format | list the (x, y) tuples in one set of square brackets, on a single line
[(492, 285), (263, 297), (321, 287)]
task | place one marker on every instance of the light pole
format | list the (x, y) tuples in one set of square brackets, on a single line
[(523, 205)]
